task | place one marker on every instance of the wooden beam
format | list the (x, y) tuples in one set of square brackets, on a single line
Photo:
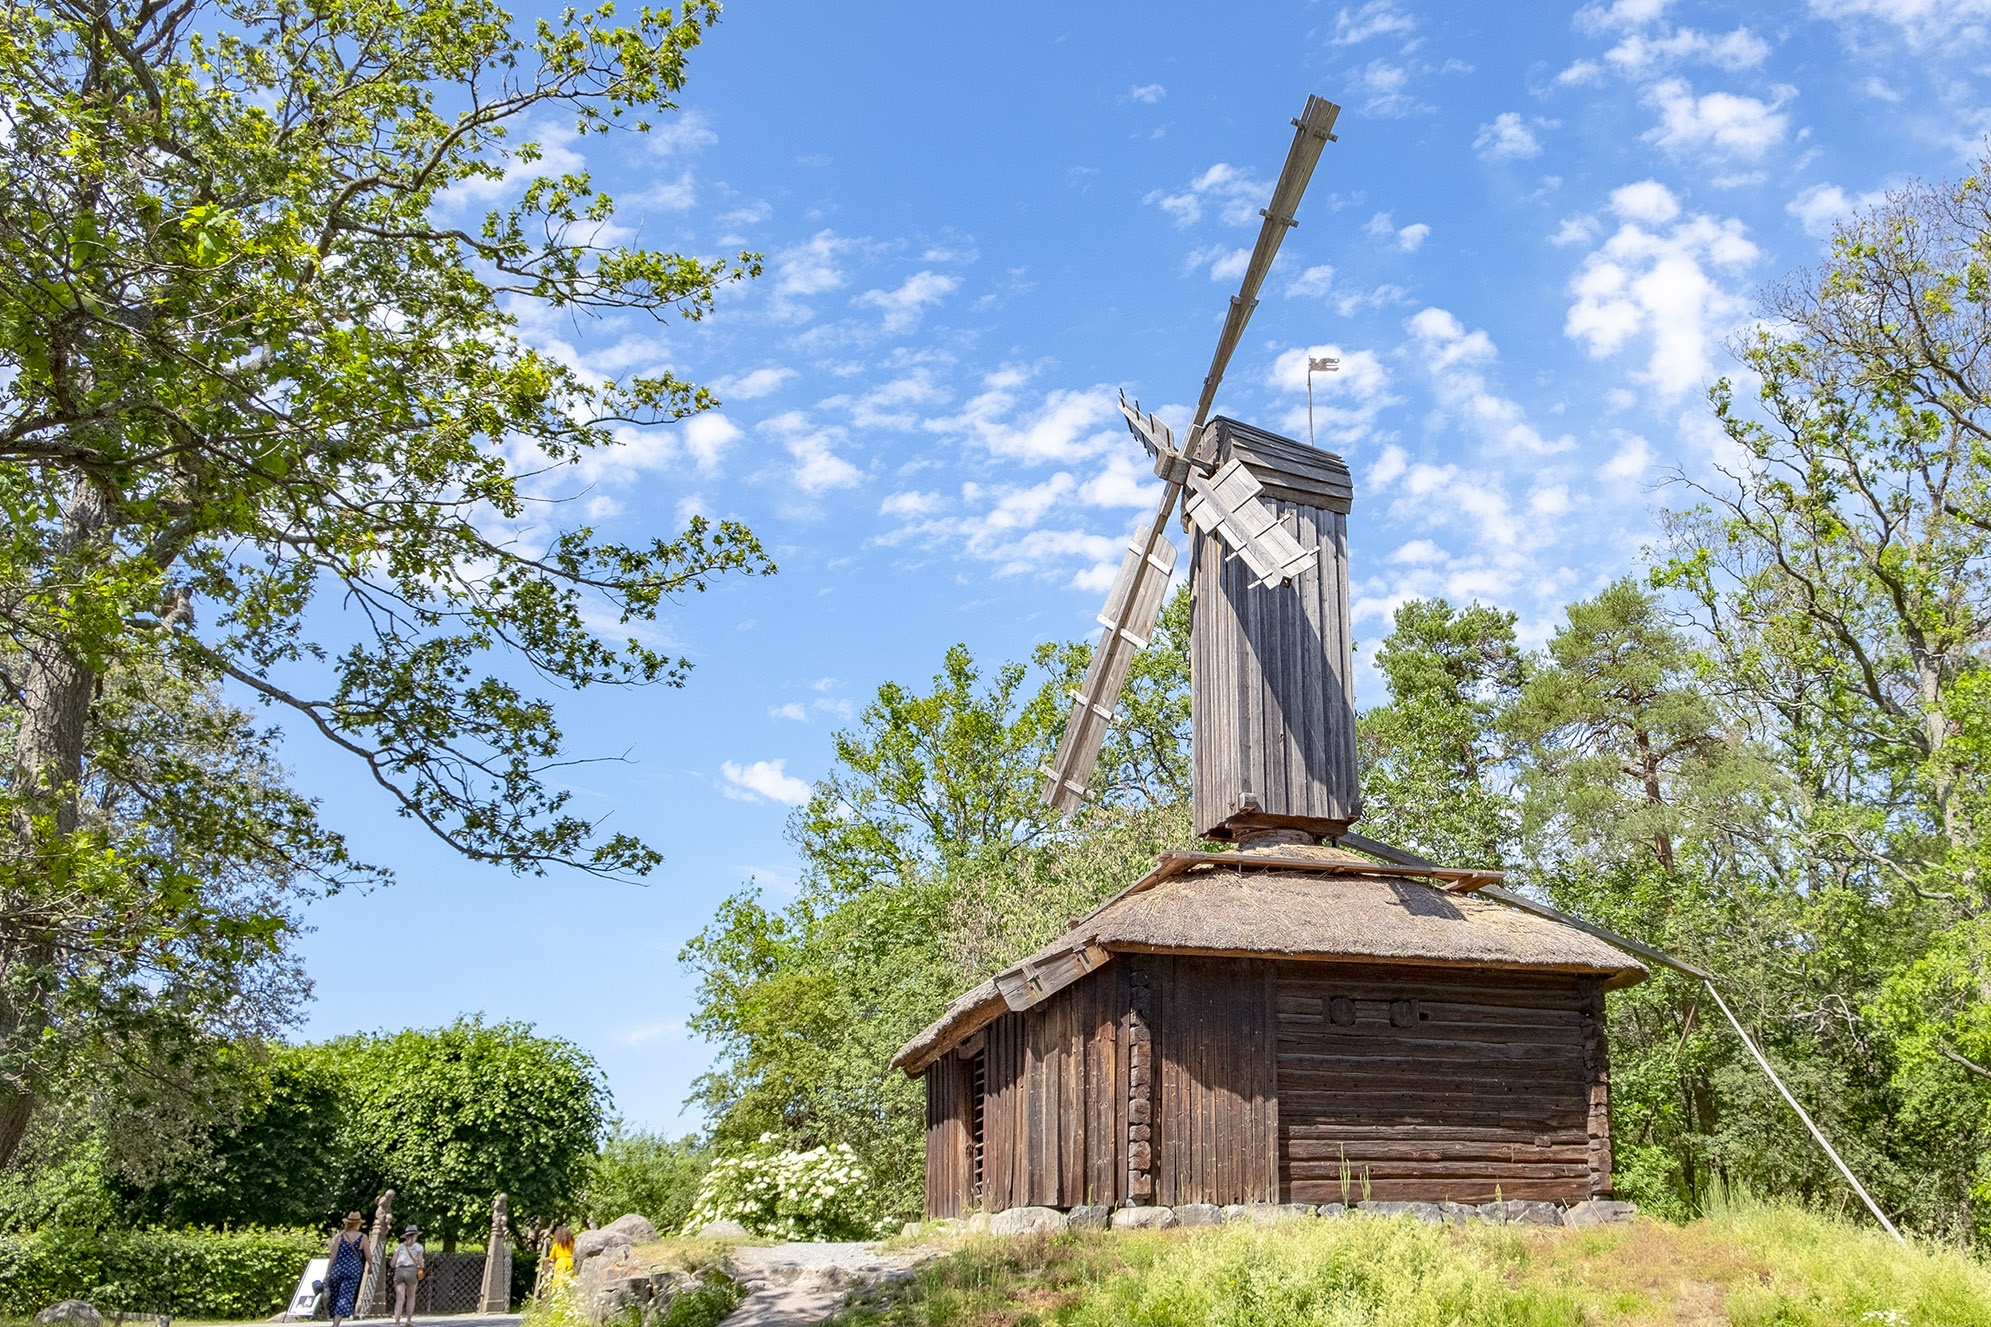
[(1030, 983), (1271, 861)]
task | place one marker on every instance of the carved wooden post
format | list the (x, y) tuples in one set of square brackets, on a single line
[(1140, 1093), (377, 1286), (497, 1297)]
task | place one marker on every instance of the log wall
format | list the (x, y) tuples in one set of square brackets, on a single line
[(1439, 1084), (1178, 1079)]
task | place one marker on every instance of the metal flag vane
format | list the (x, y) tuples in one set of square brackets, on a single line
[(1320, 364), (1225, 504)]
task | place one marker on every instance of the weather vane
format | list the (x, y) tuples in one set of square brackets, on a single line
[(1323, 364)]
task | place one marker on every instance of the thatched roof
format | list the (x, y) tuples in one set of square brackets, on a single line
[(1333, 912)]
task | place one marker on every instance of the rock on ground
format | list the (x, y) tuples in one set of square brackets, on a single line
[(79, 1312), (794, 1285), (1198, 1214), (1094, 1216), (723, 1228), (1144, 1218), (1027, 1221), (1599, 1212)]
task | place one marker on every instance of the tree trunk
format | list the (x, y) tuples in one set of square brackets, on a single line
[(56, 688)]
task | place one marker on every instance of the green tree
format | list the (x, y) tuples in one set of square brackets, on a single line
[(248, 362), (1839, 576), (175, 936), (452, 1117), (930, 861), (284, 1155), (646, 1173), (1433, 775)]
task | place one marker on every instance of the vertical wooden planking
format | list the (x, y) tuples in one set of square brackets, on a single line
[(949, 1176)]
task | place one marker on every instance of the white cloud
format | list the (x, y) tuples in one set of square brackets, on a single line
[(1629, 463), (1068, 426), (910, 504), (1619, 16), (817, 469), (1311, 284), (1922, 23), (1818, 208), (1149, 93), (1378, 18), (1236, 194), (1653, 278), (811, 267), (763, 779), (1720, 122), (1647, 201), (1389, 467), (1458, 362), (1406, 240), (686, 132), (707, 437), (1387, 87), (1584, 73), (1506, 139), (1226, 264), (904, 307), (1641, 54), (1574, 230), (751, 386), (794, 709)]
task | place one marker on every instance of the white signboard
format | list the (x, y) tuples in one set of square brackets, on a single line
[(300, 1303)]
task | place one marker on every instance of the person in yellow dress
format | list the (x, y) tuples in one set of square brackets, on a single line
[(560, 1258)]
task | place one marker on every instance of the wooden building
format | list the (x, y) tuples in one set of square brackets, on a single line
[(1285, 1024)]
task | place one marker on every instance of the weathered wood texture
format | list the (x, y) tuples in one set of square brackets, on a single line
[(1597, 1065), (1173, 1078), (1216, 1113), (949, 1150), (1054, 1110), (1286, 468), (1437, 1084), (1272, 697)]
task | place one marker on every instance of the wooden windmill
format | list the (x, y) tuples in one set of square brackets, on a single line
[(1272, 707)]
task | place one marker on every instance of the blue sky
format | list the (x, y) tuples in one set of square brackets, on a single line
[(1536, 234)]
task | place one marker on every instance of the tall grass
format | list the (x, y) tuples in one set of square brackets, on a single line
[(1750, 1264)]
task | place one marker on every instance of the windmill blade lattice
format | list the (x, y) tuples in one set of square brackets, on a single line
[(1134, 604)]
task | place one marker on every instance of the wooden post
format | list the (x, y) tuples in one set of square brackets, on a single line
[(1597, 1064), (1140, 1091), (497, 1296), (376, 1286)]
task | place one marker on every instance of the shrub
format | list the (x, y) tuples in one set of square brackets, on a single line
[(818, 1194), (645, 1173), (189, 1273)]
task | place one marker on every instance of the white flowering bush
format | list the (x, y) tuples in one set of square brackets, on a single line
[(782, 1194)]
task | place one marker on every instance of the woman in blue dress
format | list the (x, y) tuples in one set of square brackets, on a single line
[(348, 1253)]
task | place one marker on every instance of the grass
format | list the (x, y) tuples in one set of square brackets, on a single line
[(1752, 1265)]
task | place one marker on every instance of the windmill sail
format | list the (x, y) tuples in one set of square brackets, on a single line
[(1228, 505), (1135, 602), (1133, 606)]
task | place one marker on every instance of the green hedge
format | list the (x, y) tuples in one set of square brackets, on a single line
[(189, 1273)]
